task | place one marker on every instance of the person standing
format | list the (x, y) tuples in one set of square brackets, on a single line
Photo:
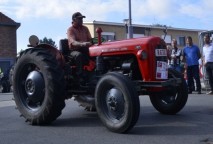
[(208, 60), (169, 52), (1, 73), (191, 54), (175, 56)]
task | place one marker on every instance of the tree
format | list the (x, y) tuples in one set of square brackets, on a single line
[(48, 41), (160, 25)]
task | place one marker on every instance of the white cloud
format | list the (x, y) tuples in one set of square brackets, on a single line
[(99, 9), (159, 8), (143, 11), (3, 1), (60, 9), (38, 9), (200, 9)]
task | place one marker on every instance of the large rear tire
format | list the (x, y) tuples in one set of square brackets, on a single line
[(117, 102), (38, 86), (172, 100)]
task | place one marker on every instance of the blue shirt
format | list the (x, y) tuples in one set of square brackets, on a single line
[(191, 54)]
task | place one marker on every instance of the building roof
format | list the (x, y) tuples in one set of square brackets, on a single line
[(6, 21), (145, 26)]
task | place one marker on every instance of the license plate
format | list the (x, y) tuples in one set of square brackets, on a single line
[(160, 52)]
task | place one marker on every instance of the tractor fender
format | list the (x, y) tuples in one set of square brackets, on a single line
[(54, 51)]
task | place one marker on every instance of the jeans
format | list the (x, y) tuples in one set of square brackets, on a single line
[(209, 71), (193, 72), (81, 58)]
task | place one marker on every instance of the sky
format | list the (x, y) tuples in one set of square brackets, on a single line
[(51, 18)]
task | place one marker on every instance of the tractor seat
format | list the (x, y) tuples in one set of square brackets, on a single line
[(63, 47)]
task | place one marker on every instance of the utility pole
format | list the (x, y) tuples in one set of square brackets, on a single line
[(130, 31)]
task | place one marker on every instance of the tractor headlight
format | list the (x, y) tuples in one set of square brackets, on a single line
[(142, 54)]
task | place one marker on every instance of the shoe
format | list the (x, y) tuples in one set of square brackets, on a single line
[(210, 93), (199, 92)]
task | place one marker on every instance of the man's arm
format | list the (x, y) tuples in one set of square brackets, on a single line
[(77, 44), (178, 54), (203, 57), (83, 44), (183, 59), (198, 53), (173, 53), (73, 44)]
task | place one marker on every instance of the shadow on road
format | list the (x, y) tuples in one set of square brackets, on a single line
[(195, 120)]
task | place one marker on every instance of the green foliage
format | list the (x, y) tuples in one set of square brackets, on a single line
[(48, 41), (160, 25)]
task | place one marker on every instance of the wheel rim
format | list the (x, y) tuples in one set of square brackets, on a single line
[(31, 86), (169, 98), (114, 104)]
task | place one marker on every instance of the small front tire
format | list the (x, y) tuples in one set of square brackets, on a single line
[(173, 99), (117, 102)]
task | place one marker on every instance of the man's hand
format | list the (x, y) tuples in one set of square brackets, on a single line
[(87, 44), (185, 66), (77, 44)]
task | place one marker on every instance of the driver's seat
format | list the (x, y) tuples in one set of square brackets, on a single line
[(63, 47)]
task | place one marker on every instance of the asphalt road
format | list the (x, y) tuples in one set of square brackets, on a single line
[(193, 125)]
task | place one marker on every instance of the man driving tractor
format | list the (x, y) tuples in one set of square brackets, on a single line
[(79, 39)]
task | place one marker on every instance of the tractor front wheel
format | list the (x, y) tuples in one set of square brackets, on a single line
[(117, 102), (173, 99)]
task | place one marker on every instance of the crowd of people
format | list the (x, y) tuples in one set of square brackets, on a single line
[(186, 61)]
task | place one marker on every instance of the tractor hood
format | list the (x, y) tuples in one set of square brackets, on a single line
[(122, 46)]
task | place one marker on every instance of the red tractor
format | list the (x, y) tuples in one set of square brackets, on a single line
[(118, 72)]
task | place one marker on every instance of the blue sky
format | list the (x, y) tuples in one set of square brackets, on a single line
[(51, 18)]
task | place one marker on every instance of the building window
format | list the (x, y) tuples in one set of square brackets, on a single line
[(138, 35), (108, 36), (181, 40), (167, 38)]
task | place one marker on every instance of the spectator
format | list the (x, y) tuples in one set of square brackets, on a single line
[(175, 56), (191, 53), (169, 52), (208, 60), (1, 73)]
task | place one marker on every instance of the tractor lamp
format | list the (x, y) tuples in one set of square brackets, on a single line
[(142, 54)]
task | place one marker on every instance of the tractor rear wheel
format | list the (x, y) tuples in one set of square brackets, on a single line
[(38, 86), (117, 102)]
